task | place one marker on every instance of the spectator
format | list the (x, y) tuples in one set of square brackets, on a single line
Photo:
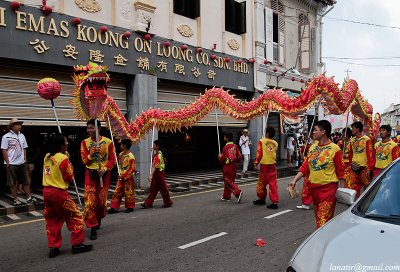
[(244, 144), (13, 147), (290, 145)]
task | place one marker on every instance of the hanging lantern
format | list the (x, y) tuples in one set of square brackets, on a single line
[(252, 60), (227, 60), (275, 69), (167, 44), (239, 61), (127, 34), (47, 9), (184, 47), (48, 88), (15, 5), (302, 80), (266, 62), (76, 21), (213, 56), (147, 37), (103, 29), (293, 78), (199, 50)]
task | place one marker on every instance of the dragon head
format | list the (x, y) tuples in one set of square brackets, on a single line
[(91, 81)]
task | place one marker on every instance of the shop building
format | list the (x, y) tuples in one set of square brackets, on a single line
[(175, 50)]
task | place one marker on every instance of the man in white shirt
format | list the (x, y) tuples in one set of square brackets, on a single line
[(244, 144), (13, 147), (290, 144)]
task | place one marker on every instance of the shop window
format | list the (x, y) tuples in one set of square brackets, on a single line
[(187, 8), (278, 31), (235, 16)]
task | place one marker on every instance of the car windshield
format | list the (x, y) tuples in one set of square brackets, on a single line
[(382, 202)]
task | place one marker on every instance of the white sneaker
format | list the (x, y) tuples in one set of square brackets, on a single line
[(225, 199), (304, 207), (31, 200), (17, 202)]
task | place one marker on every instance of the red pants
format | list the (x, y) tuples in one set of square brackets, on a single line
[(124, 187), (158, 184), (324, 198), (60, 208), (347, 175), (306, 197), (359, 180), (95, 199), (267, 175), (377, 172), (229, 175)]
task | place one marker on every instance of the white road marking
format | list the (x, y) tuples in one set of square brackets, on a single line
[(35, 213), (277, 214), (203, 240), (13, 216)]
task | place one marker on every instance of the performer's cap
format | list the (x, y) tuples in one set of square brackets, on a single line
[(14, 121), (245, 131)]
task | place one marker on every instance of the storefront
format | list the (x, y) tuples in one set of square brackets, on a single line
[(145, 72)]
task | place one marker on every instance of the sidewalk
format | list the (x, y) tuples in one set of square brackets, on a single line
[(178, 183)]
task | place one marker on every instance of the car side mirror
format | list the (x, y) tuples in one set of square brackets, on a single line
[(346, 196)]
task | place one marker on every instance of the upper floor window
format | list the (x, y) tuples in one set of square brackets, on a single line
[(235, 16), (187, 8), (278, 31), (305, 43)]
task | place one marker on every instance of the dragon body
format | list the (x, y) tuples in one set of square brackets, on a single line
[(90, 100)]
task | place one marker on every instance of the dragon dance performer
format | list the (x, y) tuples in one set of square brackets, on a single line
[(363, 161), (347, 155), (58, 205), (266, 157), (386, 150), (125, 184), (157, 179), (306, 198), (228, 159), (324, 165), (96, 196)]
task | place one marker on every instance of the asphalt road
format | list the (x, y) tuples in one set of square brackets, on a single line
[(150, 239)]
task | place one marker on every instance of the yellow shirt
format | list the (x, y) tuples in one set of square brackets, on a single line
[(323, 164), (106, 155), (266, 151), (359, 146), (57, 171), (384, 153)]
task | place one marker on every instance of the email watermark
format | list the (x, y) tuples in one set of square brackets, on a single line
[(358, 267)]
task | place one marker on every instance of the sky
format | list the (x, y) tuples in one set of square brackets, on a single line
[(380, 84)]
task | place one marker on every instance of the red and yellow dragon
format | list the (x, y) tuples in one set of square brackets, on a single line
[(90, 100)]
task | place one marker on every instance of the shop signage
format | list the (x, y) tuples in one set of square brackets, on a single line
[(28, 34)]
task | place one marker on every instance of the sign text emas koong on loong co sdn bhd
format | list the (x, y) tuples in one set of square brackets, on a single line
[(28, 34)]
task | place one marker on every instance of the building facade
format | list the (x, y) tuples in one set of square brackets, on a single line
[(174, 51), (288, 37), (391, 116)]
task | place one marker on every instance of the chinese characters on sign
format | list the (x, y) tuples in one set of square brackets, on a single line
[(196, 72), (162, 65), (211, 74), (40, 46), (143, 63), (95, 56), (180, 69), (70, 51), (120, 60)]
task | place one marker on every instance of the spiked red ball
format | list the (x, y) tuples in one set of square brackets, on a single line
[(76, 21), (147, 37), (103, 29), (167, 44), (48, 88), (15, 5), (47, 9)]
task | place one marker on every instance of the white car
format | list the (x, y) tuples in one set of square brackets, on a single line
[(365, 237)]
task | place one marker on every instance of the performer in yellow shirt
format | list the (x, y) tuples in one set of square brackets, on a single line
[(95, 195), (266, 157), (363, 161), (58, 205), (125, 184), (386, 150), (347, 154), (324, 165)]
